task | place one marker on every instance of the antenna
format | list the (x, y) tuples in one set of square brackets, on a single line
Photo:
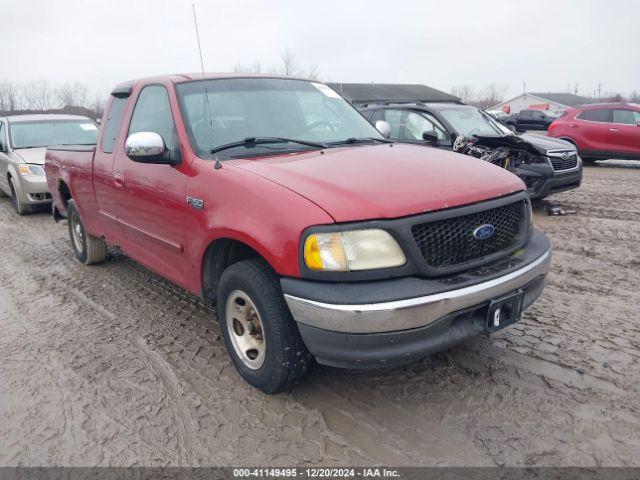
[(195, 22), (217, 165)]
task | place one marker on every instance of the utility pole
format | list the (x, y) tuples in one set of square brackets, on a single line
[(599, 90)]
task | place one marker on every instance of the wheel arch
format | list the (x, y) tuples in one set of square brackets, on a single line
[(220, 254)]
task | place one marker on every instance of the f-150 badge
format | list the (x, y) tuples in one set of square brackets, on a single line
[(196, 203)]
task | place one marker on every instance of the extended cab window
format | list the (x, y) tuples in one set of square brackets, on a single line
[(526, 114), (406, 125), (112, 124), (595, 115), (627, 117), (153, 114)]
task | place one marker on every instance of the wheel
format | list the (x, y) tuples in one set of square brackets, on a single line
[(20, 208), (260, 335), (87, 248)]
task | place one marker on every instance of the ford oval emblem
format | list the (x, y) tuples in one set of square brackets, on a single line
[(484, 232)]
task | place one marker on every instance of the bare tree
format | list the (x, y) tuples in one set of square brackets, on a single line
[(75, 94), (98, 104), (634, 97), (9, 96), (484, 98), (466, 93), (38, 95), (314, 73), (289, 64), (242, 68), (490, 95)]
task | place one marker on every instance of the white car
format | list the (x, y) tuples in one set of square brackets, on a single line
[(23, 142)]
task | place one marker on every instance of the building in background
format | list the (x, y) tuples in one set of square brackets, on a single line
[(363, 93), (552, 103)]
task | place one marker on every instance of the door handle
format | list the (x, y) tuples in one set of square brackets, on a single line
[(614, 130), (118, 181), (573, 125)]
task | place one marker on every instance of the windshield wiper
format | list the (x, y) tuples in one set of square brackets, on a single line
[(251, 142), (352, 140)]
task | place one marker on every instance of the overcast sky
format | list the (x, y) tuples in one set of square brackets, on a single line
[(548, 44)]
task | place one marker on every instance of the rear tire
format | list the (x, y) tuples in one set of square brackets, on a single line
[(20, 208), (87, 248), (259, 332)]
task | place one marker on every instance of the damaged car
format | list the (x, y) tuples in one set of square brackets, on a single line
[(546, 165)]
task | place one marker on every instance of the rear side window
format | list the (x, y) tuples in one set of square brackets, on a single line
[(526, 114), (112, 124), (3, 143), (595, 115), (627, 117)]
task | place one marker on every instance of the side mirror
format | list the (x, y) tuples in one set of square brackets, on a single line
[(430, 138), (384, 128), (147, 147)]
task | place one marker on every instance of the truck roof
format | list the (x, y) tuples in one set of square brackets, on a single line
[(188, 77)]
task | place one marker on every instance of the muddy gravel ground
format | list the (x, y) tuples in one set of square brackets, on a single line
[(111, 365)]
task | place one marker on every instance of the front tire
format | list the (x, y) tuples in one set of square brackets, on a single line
[(87, 248), (259, 332)]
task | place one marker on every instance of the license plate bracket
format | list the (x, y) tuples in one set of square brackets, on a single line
[(504, 311)]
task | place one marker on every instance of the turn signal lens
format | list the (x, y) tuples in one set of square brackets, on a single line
[(324, 251), (29, 170), (352, 250)]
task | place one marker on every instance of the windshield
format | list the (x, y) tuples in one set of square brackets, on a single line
[(43, 133), (471, 121), (219, 112)]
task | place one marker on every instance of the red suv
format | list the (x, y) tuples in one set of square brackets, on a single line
[(601, 131)]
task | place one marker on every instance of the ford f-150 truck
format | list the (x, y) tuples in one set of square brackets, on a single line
[(315, 237)]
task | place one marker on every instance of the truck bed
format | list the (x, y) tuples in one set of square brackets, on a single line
[(69, 171)]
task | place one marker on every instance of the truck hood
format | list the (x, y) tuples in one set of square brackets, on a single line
[(32, 155), (382, 181)]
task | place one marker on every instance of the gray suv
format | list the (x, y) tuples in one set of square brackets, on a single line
[(23, 142)]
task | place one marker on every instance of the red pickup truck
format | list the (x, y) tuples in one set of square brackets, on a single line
[(315, 237)]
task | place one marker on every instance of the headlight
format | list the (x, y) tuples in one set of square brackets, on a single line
[(29, 170), (352, 250)]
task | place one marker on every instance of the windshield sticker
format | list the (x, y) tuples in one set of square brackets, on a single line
[(328, 91), (88, 126)]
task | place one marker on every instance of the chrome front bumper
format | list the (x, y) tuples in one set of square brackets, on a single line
[(412, 312)]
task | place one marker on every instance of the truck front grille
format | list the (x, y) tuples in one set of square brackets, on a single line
[(449, 242), (563, 160)]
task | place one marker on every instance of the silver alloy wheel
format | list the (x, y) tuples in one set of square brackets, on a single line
[(77, 235), (245, 329)]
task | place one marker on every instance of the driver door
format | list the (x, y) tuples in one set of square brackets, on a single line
[(151, 198)]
